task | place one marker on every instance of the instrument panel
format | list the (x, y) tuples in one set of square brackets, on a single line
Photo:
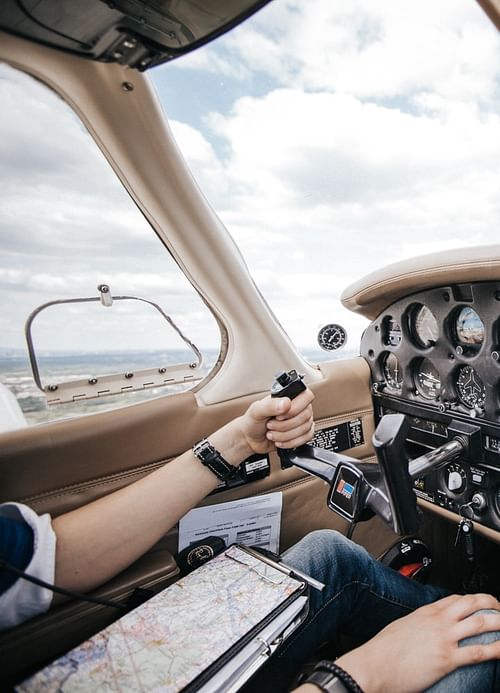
[(435, 356)]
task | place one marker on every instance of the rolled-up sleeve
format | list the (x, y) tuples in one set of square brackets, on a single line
[(23, 599)]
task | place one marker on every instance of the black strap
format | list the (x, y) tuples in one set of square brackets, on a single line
[(347, 680), (213, 460)]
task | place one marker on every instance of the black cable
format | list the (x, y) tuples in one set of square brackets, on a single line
[(60, 590), (28, 14)]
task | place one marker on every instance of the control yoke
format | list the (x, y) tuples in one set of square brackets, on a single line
[(357, 487)]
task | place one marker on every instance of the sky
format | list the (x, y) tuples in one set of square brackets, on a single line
[(331, 137)]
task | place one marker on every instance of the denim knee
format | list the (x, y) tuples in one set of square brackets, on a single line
[(327, 555), (475, 677), (482, 638)]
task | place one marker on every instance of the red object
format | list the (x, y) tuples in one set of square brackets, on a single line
[(410, 570)]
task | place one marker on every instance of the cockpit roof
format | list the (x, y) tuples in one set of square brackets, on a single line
[(137, 33)]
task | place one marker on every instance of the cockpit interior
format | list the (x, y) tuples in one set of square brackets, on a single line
[(429, 351)]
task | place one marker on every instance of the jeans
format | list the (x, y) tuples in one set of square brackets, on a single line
[(360, 597)]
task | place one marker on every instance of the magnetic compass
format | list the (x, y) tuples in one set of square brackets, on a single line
[(331, 337)]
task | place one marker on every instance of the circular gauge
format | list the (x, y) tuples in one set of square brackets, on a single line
[(391, 331), (470, 388), (469, 329), (331, 337), (393, 374), (427, 379), (423, 326)]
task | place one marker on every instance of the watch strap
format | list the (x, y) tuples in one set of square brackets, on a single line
[(326, 682), (331, 678), (210, 457)]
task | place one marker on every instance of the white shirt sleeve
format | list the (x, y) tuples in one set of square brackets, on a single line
[(23, 599)]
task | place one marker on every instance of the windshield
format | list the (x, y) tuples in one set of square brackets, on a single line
[(333, 138)]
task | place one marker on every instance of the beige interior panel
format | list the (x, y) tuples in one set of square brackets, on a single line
[(492, 9), (89, 457), (85, 458)]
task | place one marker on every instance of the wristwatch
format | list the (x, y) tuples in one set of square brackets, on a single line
[(211, 458), (326, 681), (331, 678)]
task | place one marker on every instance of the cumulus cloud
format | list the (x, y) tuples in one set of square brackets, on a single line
[(348, 136), (67, 225), (371, 50), (379, 127)]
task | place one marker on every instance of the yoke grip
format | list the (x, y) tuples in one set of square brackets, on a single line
[(287, 384)]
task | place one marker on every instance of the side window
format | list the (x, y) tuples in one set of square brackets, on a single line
[(68, 227)]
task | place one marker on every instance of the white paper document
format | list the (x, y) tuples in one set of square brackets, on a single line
[(251, 521)]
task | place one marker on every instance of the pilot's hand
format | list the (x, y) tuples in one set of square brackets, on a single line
[(278, 421), (423, 646)]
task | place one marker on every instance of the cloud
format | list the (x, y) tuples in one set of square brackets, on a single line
[(371, 50), (344, 137), (336, 148), (67, 225), (385, 129), (315, 163)]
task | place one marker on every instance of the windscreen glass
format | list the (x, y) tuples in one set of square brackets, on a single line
[(334, 138)]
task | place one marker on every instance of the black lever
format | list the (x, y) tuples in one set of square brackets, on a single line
[(389, 443), (356, 488), (287, 384)]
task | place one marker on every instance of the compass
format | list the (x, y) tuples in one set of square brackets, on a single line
[(331, 337)]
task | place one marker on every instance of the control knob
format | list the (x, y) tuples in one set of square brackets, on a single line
[(455, 478)]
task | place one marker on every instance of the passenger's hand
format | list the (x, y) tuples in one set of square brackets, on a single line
[(414, 652), (278, 421)]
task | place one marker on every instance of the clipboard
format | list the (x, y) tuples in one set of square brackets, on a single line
[(209, 632)]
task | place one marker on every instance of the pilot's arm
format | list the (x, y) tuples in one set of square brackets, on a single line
[(84, 548), (98, 540)]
